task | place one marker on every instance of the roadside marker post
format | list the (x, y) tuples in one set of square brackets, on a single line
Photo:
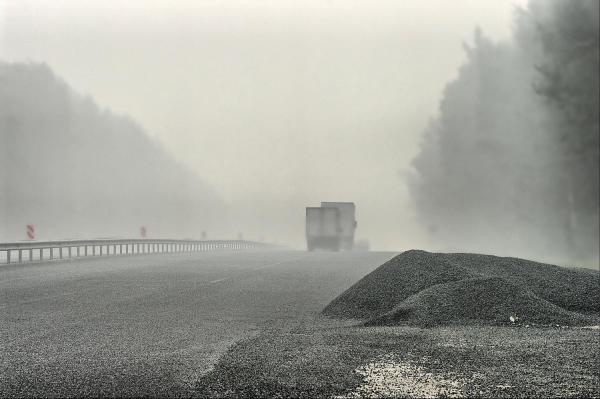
[(30, 232)]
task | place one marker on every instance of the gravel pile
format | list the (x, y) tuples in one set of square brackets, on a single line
[(422, 288)]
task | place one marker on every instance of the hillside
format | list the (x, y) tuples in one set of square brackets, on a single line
[(436, 288), (76, 170)]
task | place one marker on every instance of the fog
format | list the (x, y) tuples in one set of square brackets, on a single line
[(261, 108)]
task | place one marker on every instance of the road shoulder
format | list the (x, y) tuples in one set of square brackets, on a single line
[(319, 357)]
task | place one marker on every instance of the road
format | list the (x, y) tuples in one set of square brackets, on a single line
[(151, 325)]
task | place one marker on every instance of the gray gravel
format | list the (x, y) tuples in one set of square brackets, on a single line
[(151, 325)]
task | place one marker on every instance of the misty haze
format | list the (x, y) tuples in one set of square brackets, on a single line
[(194, 190)]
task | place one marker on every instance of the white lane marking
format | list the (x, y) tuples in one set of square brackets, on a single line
[(260, 267), (218, 280), (280, 262)]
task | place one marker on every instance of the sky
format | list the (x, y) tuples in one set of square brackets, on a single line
[(278, 104)]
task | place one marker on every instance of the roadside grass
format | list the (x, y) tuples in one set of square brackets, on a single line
[(319, 357)]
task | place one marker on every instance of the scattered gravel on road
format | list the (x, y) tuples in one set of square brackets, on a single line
[(390, 376)]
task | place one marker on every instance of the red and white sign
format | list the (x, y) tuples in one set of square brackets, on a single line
[(143, 231), (30, 232)]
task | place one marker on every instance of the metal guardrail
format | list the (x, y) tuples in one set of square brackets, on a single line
[(32, 251)]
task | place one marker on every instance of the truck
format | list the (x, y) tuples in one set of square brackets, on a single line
[(331, 226)]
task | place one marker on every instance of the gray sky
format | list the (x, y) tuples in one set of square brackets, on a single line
[(278, 104)]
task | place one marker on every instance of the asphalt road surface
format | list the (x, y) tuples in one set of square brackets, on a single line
[(150, 325)]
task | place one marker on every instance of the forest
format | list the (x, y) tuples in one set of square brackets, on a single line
[(76, 170), (510, 163)]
